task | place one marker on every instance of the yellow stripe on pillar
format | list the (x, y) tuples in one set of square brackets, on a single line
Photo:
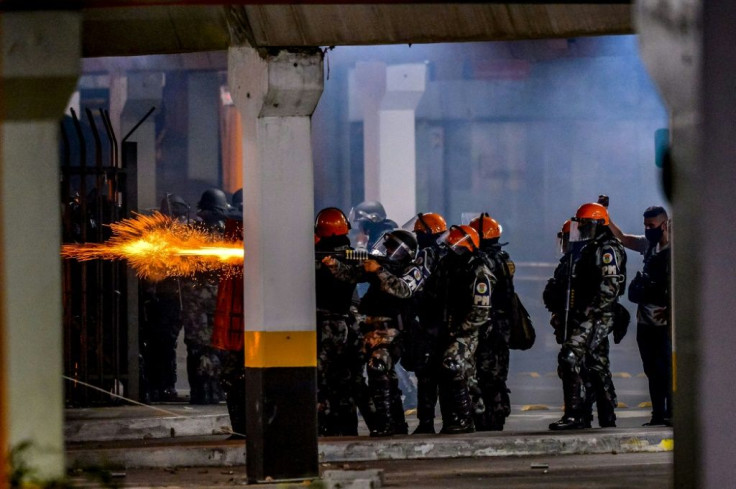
[(266, 349)]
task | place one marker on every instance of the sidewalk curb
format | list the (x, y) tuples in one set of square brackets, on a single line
[(218, 453)]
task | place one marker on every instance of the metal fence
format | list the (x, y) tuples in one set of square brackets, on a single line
[(98, 187)]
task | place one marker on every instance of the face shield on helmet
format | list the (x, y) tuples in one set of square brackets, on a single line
[(563, 237), (396, 245), (426, 226), (460, 239), (582, 230), (588, 221)]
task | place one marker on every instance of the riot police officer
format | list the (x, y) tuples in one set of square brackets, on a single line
[(162, 305), (340, 382), (391, 284), (460, 287), (422, 346), (199, 295), (597, 278), (492, 356)]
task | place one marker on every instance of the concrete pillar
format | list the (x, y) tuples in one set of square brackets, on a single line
[(687, 46), (203, 128), (142, 91), (389, 103), (276, 95), (39, 66)]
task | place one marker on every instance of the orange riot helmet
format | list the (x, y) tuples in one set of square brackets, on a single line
[(587, 222), (593, 211), (429, 223), (487, 227), (461, 239), (331, 221)]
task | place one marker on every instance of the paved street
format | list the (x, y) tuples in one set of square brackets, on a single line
[(609, 471)]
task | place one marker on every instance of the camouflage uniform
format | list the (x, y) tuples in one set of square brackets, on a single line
[(341, 386), (460, 288), (554, 298), (492, 356), (384, 305), (598, 279), (199, 295)]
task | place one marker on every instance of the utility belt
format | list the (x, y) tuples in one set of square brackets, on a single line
[(327, 314), (373, 320)]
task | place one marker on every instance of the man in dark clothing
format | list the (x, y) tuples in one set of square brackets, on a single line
[(492, 356), (422, 354), (597, 278), (391, 284), (460, 288), (340, 382), (650, 289), (369, 222), (199, 294)]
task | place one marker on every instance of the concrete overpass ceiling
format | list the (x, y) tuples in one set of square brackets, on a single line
[(333, 25), (130, 31)]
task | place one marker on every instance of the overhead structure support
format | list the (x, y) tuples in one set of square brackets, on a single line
[(39, 67), (389, 97), (276, 95)]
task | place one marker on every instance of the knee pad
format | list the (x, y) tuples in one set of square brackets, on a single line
[(567, 361), (376, 366), (452, 368)]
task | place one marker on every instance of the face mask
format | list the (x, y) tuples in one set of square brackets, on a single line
[(424, 240), (653, 235)]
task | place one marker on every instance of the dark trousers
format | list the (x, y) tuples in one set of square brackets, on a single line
[(655, 348)]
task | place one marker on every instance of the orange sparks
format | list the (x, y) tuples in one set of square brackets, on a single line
[(157, 247)]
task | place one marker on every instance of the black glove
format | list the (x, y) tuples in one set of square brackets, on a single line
[(558, 324)]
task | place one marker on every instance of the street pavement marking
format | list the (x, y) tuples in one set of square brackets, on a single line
[(645, 404), (534, 375), (534, 407), (622, 375), (668, 444)]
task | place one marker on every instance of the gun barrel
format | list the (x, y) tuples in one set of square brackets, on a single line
[(348, 255)]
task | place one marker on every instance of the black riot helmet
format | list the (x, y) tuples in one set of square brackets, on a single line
[(397, 245), (214, 200), (175, 206), (367, 211)]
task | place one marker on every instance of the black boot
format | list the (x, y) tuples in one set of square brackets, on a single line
[(426, 402), (425, 427), (568, 423), (460, 418), (573, 419), (382, 420), (603, 393), (398, 419)]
